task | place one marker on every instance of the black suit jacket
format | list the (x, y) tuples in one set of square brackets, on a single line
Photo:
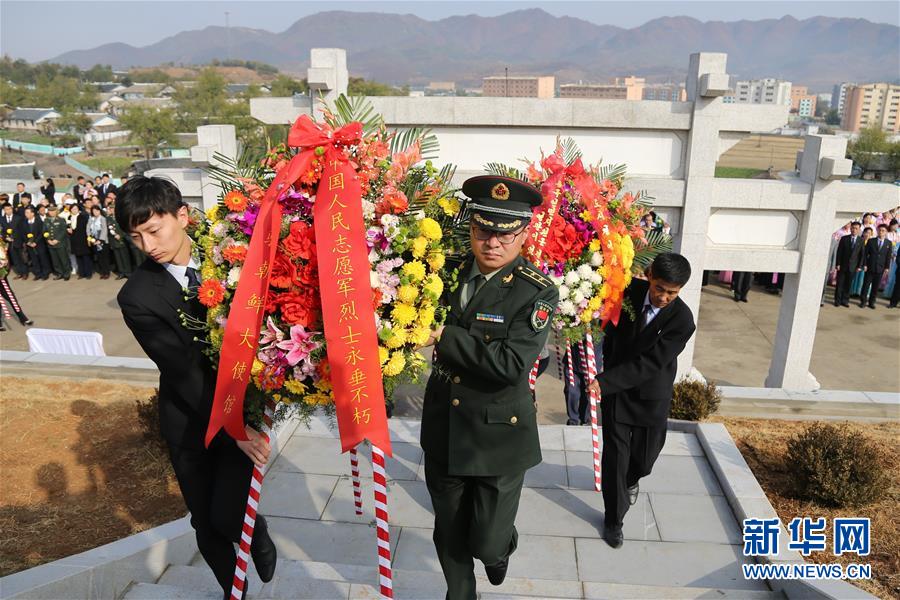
[(150, 301), (639, 365), (847, 258), (878, 260), (109, 188), (36, 229)]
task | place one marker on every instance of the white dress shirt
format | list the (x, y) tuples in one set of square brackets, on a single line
[(652, 313), (179, 272)]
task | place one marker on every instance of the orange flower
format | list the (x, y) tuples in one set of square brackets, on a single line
[(235, 201), (235, 254), (211, 293)]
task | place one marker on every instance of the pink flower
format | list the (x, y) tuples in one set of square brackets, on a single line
[(270, 334), (299, 346)]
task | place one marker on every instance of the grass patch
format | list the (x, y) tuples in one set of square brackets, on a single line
[(763, 443), (77, 468), (33, 137), (114, 165), (738, 172)]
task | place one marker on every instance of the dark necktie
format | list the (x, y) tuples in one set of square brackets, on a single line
[(646, 315), (193, 277), (474, 285)]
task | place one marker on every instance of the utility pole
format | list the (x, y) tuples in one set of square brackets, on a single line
[(506, 76)]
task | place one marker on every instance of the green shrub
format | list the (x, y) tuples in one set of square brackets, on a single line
[(148, 417), (834, 466), (694, 400)]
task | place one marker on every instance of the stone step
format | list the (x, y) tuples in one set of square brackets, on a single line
[(311, 579)]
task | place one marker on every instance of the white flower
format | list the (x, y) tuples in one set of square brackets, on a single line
[(577, 297), (219, 229), (596, 259), (596, 278), (373, 256), (556, 279), (572, 278), (564, 291), (586, 288), (584, 271), (567, 307), (368, 210), (233, 276), (374, 279)]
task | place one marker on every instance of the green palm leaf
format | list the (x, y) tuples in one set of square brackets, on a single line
[(504, 171), (354, 108), (404, 138), (571, 151), (655, 243)]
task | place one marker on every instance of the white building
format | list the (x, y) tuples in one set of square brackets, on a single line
[(839, 95), (762, 91)]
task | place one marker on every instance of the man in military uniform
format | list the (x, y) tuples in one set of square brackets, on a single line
[(118, 245), (479, 421), (57, 234)]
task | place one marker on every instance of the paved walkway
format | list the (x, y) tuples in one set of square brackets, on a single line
[(682, 525), (855, 349)]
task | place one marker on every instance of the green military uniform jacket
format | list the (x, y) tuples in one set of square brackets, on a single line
[(58, 230), (479, 417), (114, 230)]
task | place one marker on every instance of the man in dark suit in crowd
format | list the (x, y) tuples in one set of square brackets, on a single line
[(17, 197), (877, 259), (848, 261), (106, 187), (35, 244), (14, 240), (214, 481), (640, 358), (740, 284)]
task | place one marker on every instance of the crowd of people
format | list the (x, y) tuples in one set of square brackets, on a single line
[(74, 234)]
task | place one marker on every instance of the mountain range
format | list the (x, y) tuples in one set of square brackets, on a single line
[(406, 49)]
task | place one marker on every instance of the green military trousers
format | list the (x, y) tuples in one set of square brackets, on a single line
[(59, 257), (473, 518)]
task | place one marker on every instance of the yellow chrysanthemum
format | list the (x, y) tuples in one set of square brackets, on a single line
[(323, 386), (396, 339), (434, 285), (430, 228), (450, 206), (419, 247), (419, 335), (208, 271), (594, 245), (213, 213), (436, 260), (318, 399), (415, 270), (403, 314), (257, 367), (604, 292), (215, 336), (595, 303), (426, 316), (383, 354), (585, 215), (586, 315), (395, 365), (294, 387), (407, 293)]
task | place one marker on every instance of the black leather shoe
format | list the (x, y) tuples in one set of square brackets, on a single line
[(27, 322), (263, 551), (497, 573), (613, 536), (633, 493)]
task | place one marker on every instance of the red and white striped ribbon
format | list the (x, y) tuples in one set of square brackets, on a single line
[(11, 296), (381, 523), (559, 358), (243, 556), (591, 373), (354, 472), (5, 310), (571, 367), (532, 375)]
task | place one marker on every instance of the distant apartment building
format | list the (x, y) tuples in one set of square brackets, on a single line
[(441, 86), (519, 86), (618, 88), (872, 105), (802, 102), (762, 91), (839, 96), (667, 92)]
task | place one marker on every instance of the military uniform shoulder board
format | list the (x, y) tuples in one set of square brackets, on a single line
[(533, 276)]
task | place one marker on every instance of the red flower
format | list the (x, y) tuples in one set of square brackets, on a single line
[(299, 308), (235, 201), (301, 241), (211, 293), (283, 271)]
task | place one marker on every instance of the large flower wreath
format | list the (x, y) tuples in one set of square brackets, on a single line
[(407, 206)]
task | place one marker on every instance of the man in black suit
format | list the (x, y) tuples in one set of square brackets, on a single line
[(106, 187), (17, 197), (640, 357), (214, 481), (35, 244), (14, 240), (877, 258), (848, 261)]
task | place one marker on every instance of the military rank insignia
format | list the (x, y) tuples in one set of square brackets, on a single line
[(540, 316)]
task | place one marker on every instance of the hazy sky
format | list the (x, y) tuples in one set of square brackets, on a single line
[(41, 29)]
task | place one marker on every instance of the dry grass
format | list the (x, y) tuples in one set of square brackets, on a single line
[(77, 472), (764, 443)]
